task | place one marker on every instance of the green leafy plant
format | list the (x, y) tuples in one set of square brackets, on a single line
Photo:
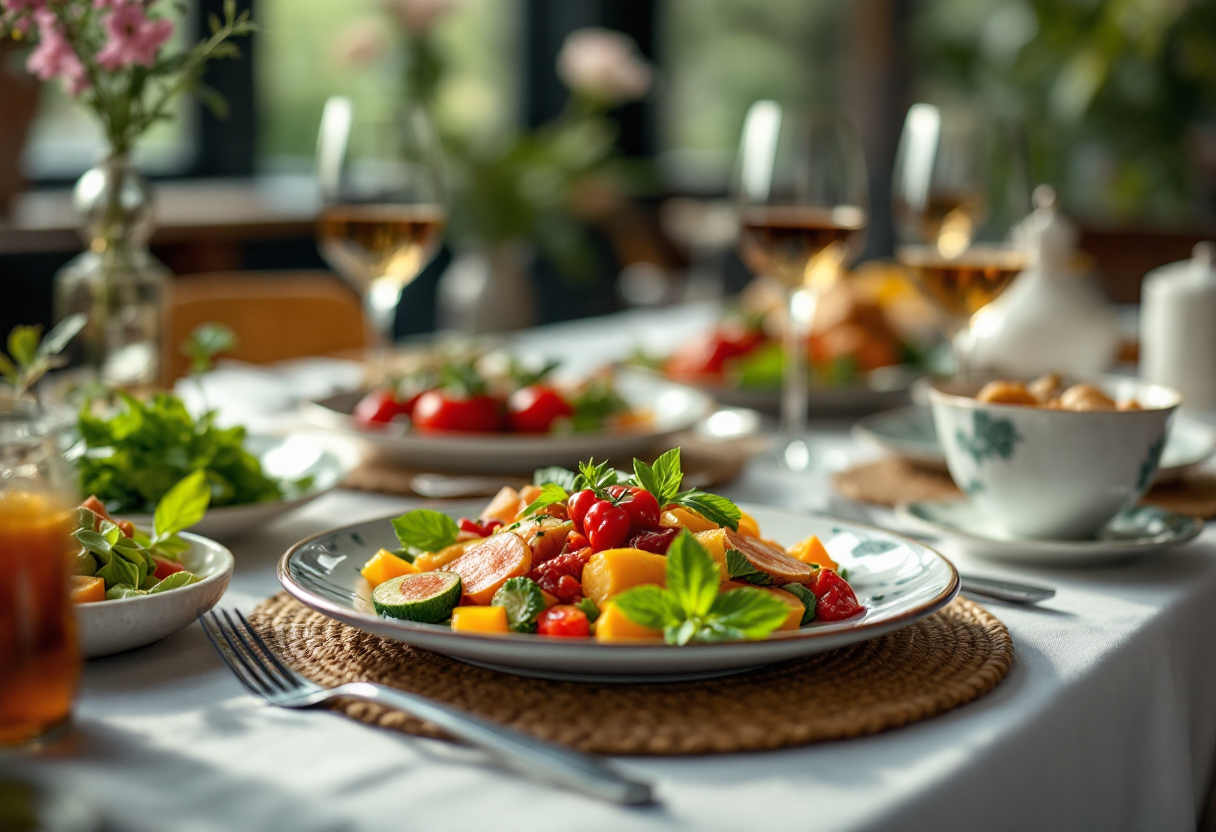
[(523, 601), (692, 608), (135, 456), (205, 343), (425, 530), (30, 356)]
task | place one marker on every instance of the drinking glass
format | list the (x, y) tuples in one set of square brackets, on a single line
[(800, 187), (39, 661), (959, 194), (381, 181)]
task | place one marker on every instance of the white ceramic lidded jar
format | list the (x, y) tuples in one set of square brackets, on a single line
[(1053, 318), (1178, 327)]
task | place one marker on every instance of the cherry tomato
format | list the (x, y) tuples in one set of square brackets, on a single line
[(563, 622), (438, 410), (606, 526), (576, 542), (707, 356), (579, 504), (165, 567), (655, 540), (380, 407), (643, 508), (480, 529), (535, 408), (835, 598), (552, 575)]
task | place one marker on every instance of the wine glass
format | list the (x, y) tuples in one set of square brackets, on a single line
[(381, 182), (959, 194), (800, 187)]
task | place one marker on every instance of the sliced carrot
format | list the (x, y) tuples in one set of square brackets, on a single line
[(484, 568), (87, 590)]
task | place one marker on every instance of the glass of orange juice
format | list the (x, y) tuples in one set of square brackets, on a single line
[(39, 660)]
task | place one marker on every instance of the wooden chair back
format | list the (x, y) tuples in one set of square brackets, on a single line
[(275, 315)]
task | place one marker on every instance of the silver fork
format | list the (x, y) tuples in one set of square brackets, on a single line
[(259, 670)]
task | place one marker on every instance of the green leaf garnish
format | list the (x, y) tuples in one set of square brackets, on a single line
[(597, 477), (738, 566), (426, 530), (589, 609), (523, 601), (808, 602), (693, 609), (31, 356), (174, 581), (550, 494), (717, 510), (205, 343), (566, 478), (662, 479), (182, 506)]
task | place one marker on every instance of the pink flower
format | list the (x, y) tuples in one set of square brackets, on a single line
[(134, 38), (604, 65), (54, 57)]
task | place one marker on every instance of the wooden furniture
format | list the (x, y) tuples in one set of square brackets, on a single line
[(276, 315)]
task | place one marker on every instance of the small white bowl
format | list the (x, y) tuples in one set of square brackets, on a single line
[(1053, 474), (108, 627)]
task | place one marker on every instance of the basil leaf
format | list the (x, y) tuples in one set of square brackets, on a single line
[(523, 601), (120, 571), (23, 344), (175, 581), (589, 609), (597, 477), (116, 593), (681, 633), (110, 531), (550, 494), (692, 575), (808, 602), (86, 564), (738, 566), (663, 479), (717, 510), (171, 547), (183, 505), (752, 612), (558, 476), (93, 541), (649, 606), (426, 529)]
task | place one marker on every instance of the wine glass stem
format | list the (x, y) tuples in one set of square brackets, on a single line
[(801, 308), (960, 350)]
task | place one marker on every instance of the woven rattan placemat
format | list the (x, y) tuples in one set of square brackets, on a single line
[(893, 480), (930, 667)]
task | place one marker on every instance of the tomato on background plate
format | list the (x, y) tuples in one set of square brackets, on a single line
[(380, 407), (534, 409), (707, 356), (439, 410)]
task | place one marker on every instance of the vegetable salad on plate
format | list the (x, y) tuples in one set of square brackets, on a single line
[(604, 555), (117, 560)]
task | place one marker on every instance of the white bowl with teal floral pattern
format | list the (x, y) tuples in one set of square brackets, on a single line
[(1053, 474)]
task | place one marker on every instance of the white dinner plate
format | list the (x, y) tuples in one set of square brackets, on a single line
[(882, 389), (675, 408), (910, 432), (899, 581), (288, 458), (1137, 531), (108, 627)]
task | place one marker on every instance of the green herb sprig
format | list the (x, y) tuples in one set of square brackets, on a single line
[(424, 530), (30, 356), (692, 608)]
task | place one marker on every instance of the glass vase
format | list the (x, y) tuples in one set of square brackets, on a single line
[(116, 282)]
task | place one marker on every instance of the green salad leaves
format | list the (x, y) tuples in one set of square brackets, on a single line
[(692, 608), (134, 457), (127, 564), (424, 530)]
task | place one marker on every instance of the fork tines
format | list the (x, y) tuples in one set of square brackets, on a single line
[(248, 656)]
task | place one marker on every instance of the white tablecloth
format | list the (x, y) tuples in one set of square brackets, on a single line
[(1106, 721)]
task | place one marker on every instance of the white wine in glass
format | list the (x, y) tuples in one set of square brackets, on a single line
[(801, 190), (384, 215), (960, 192)]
